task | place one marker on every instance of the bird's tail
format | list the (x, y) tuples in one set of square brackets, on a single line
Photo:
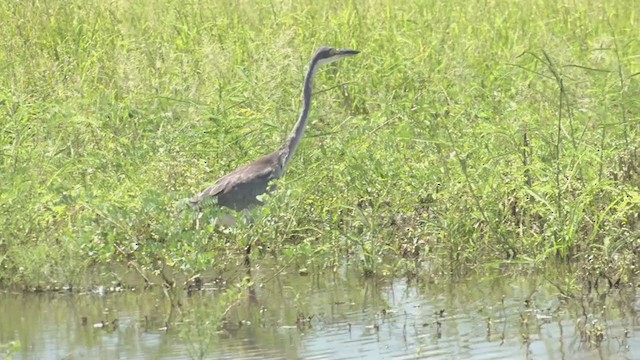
[(197, 202), (184, 204)]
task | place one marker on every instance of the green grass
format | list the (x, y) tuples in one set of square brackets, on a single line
[(465, 135)]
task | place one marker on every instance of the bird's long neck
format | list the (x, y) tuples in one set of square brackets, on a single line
[(290, 146)]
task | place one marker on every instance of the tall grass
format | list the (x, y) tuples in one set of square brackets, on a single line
[(466, 133)]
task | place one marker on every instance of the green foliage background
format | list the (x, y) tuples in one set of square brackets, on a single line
[(466, 134)]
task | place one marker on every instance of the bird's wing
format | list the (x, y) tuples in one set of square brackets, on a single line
[(250, 177)]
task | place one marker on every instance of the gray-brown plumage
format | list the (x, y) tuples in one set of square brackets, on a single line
[(238, 189)]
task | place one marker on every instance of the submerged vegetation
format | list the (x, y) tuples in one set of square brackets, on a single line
[(466, 135)]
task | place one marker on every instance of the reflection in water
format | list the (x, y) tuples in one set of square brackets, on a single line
[(331, 316)]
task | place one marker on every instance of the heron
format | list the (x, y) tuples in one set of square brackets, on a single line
[(239, 189)]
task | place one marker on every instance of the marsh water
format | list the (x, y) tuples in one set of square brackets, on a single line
[(330, 315)]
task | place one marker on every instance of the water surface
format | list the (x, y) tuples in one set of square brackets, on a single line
[(339, 315)]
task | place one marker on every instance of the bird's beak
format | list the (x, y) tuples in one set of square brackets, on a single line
[(347, 52)]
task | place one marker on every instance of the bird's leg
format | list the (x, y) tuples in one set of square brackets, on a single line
[(247, 214), (226, 220)]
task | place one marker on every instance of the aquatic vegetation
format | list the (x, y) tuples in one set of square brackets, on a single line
[(465, 137), (9, 348)]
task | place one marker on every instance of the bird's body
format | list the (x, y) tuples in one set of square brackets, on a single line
[(238, 190)]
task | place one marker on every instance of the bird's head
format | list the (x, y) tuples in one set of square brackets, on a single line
[(326, 54)]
